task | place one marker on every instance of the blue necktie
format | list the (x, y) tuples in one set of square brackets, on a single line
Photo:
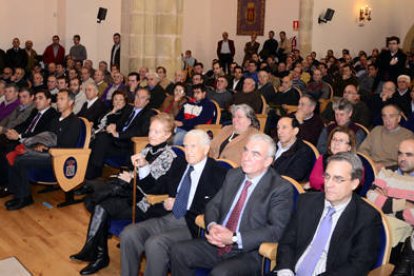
[(181, 201), (130, 119), (308, 264)]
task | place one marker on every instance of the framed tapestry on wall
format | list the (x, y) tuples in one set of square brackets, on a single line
[(250, 17)]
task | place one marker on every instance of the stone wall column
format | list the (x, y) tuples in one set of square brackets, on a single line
[(305, 26), (151, 33)]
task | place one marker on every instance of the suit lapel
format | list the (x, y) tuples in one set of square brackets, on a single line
[(230, 195)]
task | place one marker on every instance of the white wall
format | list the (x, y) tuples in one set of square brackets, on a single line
[(388, 18), (204, 22)]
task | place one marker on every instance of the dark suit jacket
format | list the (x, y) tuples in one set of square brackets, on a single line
[(44, 123), (117, 56), (266, 213), (297, 162), (354, 243), (93, 113), (239, 85), (16, 59), (231, 46), (210, 182), (138, 127)]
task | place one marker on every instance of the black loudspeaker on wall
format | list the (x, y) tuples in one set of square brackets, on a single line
[(101, 14), (327, 16)]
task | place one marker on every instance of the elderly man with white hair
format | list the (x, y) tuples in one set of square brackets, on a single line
[(402, 96), (200, 181)]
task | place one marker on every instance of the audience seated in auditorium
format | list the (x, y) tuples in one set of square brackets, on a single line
[(93, 109), (251, 71), (11, 101), (319, 221), (159, 171), (249, 96), (409, 124), (116, 140), (19, 78), (318, 88), (99, 78), (237, 79), (293, 157), (157, 92), (118, 84), (67, 129), (382, 142), (310, 124), (360, 111), (287, 94), (21, 113), (265, 86), (253, 206), (221, 95), (217, 71), (230, 141), (368, 83), (165, 83), (341, 139), (80, 96), (343, 113), (402, 96), (199, 183), (345, 78), (198, 110), (297, 81), (173, 103)]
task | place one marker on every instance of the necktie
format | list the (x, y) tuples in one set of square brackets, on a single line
[(181, 201), (309, 262), (33, 123), (129, 121), (235, 216)]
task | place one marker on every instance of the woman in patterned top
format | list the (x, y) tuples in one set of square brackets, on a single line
[(156, 165)]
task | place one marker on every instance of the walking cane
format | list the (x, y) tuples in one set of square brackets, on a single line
[(134, 193)]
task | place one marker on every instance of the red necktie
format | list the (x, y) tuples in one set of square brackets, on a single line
[(235, 216)]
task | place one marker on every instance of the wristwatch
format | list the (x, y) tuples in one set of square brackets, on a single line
[(234, 239)]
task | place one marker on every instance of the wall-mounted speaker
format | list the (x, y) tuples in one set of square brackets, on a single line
[(327, 16), (101, 14)]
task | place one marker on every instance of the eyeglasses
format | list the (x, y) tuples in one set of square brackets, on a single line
[(340, 141), (335, 179)]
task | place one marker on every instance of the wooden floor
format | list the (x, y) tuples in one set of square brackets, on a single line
[(43, 238)]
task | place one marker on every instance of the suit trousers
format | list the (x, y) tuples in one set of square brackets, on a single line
[(155, 237), (189, 255), (19, 173)]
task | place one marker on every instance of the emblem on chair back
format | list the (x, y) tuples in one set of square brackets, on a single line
[(70, 167)]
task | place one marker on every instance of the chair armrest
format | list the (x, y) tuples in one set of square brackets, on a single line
[(384, 270), (154, 199), (69, 166), (199, 221), (268, 250)]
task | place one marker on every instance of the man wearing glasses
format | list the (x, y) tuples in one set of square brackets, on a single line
[(382, 142), (331, 233)]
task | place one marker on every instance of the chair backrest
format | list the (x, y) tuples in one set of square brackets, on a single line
[(364, 128), (297, 188), (386, 239), (139, 143), (265, 106), (85, 134), (179, 150), (212, 130), (217, 113), (262, 121), (370, 173), (314, 150), (227, 164), (323, 104)]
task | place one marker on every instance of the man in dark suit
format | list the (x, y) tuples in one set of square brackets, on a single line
[(116, 141), (332, 233), (67, 128), (236, 83), (93, 109), (116, 51), (253, 206), (200, 182), (39, 121), (16, 56), (226, 52)]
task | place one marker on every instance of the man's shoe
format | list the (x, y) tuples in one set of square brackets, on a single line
[(4, 192), (20, 203), (11, 202), (95, 266)]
